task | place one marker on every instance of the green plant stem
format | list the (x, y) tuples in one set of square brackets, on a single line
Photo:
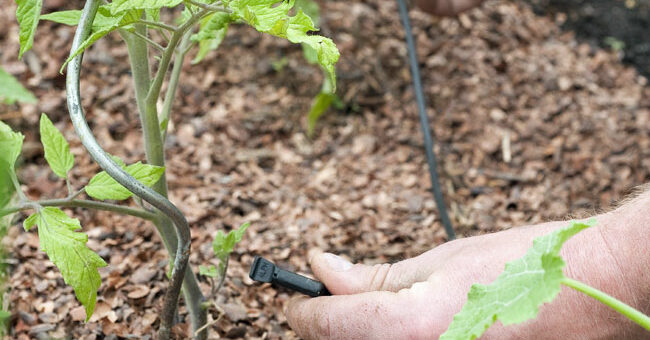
[(147, 100), (209, 7), (152, 197), (170, 95), (139, 59), (156, 85), (222, 278), (610, 301), (74, 203), (19, 190), (158, 24), (149, 41)]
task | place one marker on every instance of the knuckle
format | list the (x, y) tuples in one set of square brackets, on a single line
[(380, 275), (322, 325)]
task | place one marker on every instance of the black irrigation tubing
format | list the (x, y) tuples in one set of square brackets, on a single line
[(115, 171), (424, 121)]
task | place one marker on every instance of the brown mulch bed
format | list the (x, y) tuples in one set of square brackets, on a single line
[(529, 126)]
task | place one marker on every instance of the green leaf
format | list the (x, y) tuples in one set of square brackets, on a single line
[(57, 150), (104, 23), (28, 12), (70, 18), (272, 17), (10, 143), (104, 187), (4, 315), (7, 189), (321, 103), (68, 251), (119, 6), (519, 291), (310, 8), (11, 90), (213, 29), (210, 271), (152, 14), (223, 245)]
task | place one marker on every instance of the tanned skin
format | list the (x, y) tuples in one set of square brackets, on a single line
[(417, 298)]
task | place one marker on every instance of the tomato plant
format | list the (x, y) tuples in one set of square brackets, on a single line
[(201, 23)]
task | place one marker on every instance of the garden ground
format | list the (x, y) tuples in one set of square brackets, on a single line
[(530, 125)]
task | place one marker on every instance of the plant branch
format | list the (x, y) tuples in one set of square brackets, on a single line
[(147, 40), (156, 85), (619, 306), (222, 276), (19, 190), (158, 24), (68, 185), (154, 149), (116, 172), (74, 203), (170, 95), (209, 7)]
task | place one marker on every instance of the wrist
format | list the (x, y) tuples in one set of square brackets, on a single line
[(623, 236)]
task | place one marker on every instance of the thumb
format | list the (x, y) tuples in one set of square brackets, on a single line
[(342, 277)]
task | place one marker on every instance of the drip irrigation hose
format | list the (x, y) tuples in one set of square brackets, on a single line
[(116, 172), (424, 121)]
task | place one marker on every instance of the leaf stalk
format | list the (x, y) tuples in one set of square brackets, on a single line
[(617, 305)]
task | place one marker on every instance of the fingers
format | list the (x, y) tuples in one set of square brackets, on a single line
[(343, 277), (372, 315)]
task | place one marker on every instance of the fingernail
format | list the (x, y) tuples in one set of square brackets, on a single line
[(337, 263)]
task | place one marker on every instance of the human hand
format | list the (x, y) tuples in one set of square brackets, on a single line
[(446, 7), (417, 298)]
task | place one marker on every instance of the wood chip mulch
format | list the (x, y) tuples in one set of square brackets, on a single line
[(530, 125)]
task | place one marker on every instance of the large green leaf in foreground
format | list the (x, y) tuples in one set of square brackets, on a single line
[(517, 293), (68, 251)]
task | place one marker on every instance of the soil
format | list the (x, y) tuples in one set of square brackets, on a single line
[(598, 21), (530, 125)]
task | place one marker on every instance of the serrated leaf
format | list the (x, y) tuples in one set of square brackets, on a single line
[(272, 17), (28, 12), (310, 8), (210, 271), (7, 188), (223, 244), (10, 143), (104, 187), (56, 148), (104, 23), (11, 90), (68, 251), (70, 18), (213, 29), (210, 25), (119, 6), (519, 291), (152, 14)]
